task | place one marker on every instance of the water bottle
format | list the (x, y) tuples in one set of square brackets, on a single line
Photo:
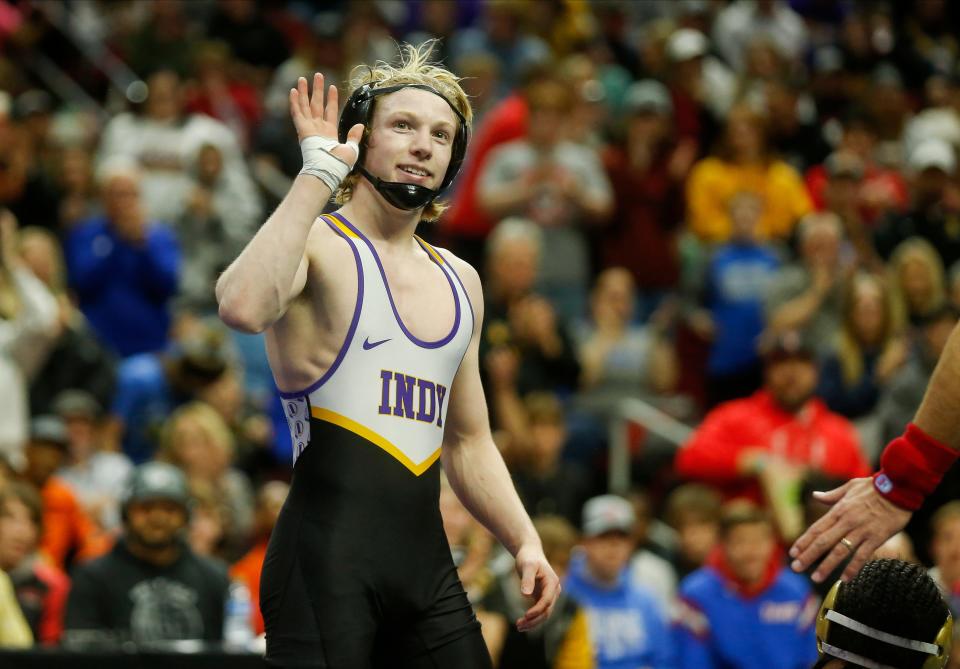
[(237, 631)]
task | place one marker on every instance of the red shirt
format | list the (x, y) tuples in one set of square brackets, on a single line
[(815, 438), (504, 123)]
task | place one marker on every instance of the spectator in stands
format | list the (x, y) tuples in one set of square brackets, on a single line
[(123, 266), (917, 277), (647, 173), (755, 447), (737, 24), (14, 630), (28, 314), (807, 295), (619, 358), (878, 190), (197, 440), (67, 533), (210, 523), (729, 294), (41, 588), (647, 566), (76, 359), (693, 511), (559, 185), (867, 352), (628, 628), (212, 229), (150, 386), (564, 641), (906, 389), (270, 498), (150, 587), (96, 476), (744, 164), (945, 548), (547, 484), (702, 86), (164, 142), (78, 200), (931, 214), (745, 609)]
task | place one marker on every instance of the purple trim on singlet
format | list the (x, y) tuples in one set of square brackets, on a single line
[(473, 314), (353, 324), (383, 275)]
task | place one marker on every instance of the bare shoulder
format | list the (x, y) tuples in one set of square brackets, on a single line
[(325, 247), (468, 275)]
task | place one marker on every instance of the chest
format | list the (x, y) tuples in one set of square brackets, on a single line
[(422, 294)]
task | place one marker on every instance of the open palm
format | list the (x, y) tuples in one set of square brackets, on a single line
[(312, 116)]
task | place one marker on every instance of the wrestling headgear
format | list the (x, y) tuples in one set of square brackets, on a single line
[(359, 109), (938, 649)]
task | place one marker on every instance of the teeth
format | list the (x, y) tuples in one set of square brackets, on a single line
[(413, 170)]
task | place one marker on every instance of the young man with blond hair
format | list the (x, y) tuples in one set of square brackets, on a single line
[(372, 335)]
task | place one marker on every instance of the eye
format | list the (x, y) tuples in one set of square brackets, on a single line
[(442, 134), (402, 125)]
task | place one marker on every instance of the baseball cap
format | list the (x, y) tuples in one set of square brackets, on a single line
[(786, 344), (648, 96), (157, 480), (933, 153), (607, 513), (49, 429), (685, 44), (75, 402)]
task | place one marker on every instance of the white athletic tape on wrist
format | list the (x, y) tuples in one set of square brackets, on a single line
[(318, 160)]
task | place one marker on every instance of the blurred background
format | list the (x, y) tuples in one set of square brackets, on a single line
[(719, 244)]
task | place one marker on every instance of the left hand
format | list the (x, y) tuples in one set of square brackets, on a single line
[(539, 582), (861, 515)]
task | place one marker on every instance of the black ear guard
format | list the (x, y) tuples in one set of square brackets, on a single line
[(359, 109)]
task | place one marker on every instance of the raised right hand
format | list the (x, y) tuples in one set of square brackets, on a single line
[(311, 116)]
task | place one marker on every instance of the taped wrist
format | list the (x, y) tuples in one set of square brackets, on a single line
[(319, 162), (911, 467)]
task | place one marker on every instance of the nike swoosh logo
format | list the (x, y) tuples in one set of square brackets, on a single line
[(367, 344)]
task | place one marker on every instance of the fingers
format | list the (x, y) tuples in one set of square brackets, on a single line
[(333, 105), (802, 547), (303, 97), (295, 107), (835, 495), (316, 100), (356, 133), (836, 556), (863, 553), (540, 611)]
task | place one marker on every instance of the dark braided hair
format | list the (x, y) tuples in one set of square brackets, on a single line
[(893, 596)]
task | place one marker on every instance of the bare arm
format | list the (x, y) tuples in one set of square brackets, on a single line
[(860, 514), (256, 289), (480, 478)]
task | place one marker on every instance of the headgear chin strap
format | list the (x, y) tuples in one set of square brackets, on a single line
[(938, 650), (401, 195), (359, 109)]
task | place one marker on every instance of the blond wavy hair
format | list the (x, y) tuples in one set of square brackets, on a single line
[(850, 350), (415, 67)]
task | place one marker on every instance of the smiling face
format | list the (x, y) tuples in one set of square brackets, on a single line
[(411, 139)]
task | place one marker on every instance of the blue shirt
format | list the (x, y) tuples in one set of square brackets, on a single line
[(719, 628), (144, 400), (736, 281), (124, 289), (627, 626)]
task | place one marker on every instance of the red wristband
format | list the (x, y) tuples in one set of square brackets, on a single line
[(911, 467)]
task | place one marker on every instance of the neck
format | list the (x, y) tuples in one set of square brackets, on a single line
[(378, 219), (160, 557)]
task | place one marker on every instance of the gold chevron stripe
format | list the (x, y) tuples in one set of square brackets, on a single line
[(374, 438)]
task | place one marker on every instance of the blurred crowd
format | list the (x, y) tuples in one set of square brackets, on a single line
[(744, 215)]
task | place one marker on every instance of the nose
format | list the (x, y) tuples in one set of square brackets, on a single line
[(420, 144)]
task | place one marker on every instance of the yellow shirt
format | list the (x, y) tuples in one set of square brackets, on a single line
[(14, 631), (576, 650), (713, 182)]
